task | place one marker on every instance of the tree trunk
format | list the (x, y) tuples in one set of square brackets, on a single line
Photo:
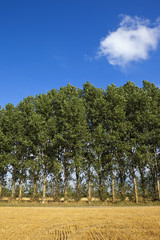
[(65, 188), (65, 183), (66, 174), (77, 184), (157, 178), (57, 189), (44, 188), (155, 187), (135, 190), (143, 184), (154, 182), (113, 191), (13, 189), (100, 187), (20, 190), (122, 185), (158, 188), (0, 189), (34, 190), (89, 184)]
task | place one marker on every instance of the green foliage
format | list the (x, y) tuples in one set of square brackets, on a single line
[(95, 138)]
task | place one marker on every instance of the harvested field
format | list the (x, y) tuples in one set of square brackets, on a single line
[(80, 223)]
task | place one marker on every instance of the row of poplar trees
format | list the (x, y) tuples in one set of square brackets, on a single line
[(102, 140)]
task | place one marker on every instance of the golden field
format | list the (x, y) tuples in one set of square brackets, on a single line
[(95, 223)]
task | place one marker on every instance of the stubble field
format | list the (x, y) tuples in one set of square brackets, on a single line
[(97, 223)]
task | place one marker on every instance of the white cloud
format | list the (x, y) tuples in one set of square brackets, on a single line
[(132, 41)]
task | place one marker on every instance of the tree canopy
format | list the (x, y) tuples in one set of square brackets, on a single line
[(75, 143)]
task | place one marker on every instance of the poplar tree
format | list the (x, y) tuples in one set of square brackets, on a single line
[(44, 104), (152, 133), (131, 92), (116, 127), (71, 125), (4, 148), (95, 107)]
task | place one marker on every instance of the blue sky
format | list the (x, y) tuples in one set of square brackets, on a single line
[(47, 44)]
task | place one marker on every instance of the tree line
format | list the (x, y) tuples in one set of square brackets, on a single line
[(83, 143)]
